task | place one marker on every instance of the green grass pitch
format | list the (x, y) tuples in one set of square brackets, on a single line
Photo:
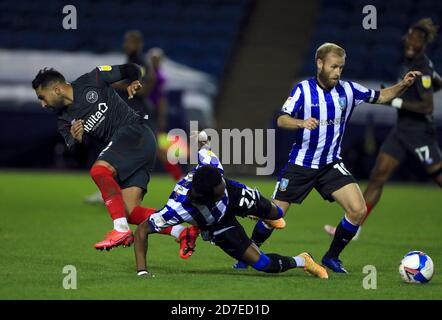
[(45, 226)]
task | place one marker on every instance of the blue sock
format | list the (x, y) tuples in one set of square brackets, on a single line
[(345, 231), (280, 212)]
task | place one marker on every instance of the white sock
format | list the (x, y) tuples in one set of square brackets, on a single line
[(121, 225), (300, 262), (176, 230)]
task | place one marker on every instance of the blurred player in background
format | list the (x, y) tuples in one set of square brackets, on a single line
[(149, 100), (206, 199), (319, 109), (90, 107), (415, 132), (158, 100)]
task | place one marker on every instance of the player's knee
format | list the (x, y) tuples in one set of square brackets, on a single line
[(438, 180), (437, 176), (98, 171), (357, 212)]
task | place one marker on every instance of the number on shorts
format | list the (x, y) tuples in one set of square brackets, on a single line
[(342, 169), (423, 153)]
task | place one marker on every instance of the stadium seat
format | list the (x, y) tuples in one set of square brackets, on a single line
[(333, 16), (196, 27)]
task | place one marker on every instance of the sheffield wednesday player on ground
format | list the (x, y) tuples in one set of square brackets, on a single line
[(206, 199), (415, 132), (89, 106), (319, 109)]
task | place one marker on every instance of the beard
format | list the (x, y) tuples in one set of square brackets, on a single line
[(57, 105), (326, 79)]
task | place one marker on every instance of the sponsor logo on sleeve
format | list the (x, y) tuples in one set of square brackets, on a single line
[(426, 82), (104, 68)]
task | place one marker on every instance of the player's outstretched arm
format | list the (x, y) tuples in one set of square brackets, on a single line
[(388, 94), (285, 121), (140, 247), (424, 106)]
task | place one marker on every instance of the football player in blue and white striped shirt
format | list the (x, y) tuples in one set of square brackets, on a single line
[(319, 110), (207, 199)]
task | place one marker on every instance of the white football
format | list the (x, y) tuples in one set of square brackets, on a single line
[(416, 267)]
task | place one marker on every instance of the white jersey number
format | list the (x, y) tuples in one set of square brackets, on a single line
[(423, 154)]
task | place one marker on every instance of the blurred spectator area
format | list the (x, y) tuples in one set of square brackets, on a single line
[(372, 54), (197, 33)]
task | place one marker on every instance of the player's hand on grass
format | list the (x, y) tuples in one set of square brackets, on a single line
[(310, 124), (410, 77), (77, 130), (145, 274), (133, 88)]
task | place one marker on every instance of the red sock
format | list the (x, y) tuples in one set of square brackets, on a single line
[(174, 170), (140, 214), (110, 191), (167, 230), (369, 208)]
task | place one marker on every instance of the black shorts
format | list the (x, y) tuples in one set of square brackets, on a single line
[(132, 152), (228, 233), (296, 182), (420, 143)]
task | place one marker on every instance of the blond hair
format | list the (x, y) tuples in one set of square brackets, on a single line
[(327, 48)]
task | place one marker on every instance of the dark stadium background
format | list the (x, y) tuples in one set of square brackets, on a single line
[(249, 51)]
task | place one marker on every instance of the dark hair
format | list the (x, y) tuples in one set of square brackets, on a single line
[(205, 179), (427, 26), (47, 76)]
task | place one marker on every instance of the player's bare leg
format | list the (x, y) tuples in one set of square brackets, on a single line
[(381, 173), (385, 166), (136, 214), (351, 200), (435, 171), (280, 223)]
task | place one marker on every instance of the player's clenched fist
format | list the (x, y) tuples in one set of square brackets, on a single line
[(133, 88), (310, 124), (77, 130), (410, 77)]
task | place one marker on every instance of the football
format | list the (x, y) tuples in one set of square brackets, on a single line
[(416, 267)]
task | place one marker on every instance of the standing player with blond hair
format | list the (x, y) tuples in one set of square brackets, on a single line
[(415, 132), (319, 110)]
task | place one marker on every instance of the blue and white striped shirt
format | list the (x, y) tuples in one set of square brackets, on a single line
[(317, 148), (180, 209)]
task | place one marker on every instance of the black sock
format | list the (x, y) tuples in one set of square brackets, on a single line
[(343, 235), (261, 233), (279, 263)]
